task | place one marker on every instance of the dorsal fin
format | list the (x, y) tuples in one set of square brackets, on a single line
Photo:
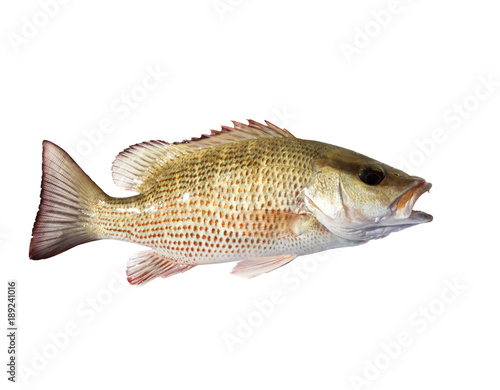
[(135, 166)]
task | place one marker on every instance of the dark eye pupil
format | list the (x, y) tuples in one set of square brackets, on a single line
[(371, 176)]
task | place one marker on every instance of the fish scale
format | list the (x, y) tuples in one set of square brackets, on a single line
[(191, 215)]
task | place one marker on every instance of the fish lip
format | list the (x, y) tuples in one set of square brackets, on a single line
[(402, 207), (420, 217)]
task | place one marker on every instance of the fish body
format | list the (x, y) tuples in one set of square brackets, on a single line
[(251, 193)]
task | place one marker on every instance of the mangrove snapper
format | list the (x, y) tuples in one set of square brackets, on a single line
[(248, 193)]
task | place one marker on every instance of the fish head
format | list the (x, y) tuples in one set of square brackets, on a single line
[(359, 198)]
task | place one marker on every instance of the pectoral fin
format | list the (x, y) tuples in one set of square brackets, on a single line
[(147, 265), (249, 268), (279, 223)]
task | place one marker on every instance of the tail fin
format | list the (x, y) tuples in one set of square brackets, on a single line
[(64, 217)]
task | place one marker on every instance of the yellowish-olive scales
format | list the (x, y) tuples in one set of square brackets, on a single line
[(222, 203), (249, 193)]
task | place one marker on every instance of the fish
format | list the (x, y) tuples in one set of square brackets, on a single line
[(248, 193)]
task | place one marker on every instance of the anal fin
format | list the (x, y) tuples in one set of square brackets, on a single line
[(250, 268), (147, 265)]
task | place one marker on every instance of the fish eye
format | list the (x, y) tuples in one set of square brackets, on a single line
[(371, 175)]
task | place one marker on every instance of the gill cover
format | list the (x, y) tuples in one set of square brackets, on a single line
[(324, 197)]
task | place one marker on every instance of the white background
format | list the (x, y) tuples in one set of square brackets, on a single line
[(282, 61)]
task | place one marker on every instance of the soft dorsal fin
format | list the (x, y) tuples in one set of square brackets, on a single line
[(138, 163), (135, 166)]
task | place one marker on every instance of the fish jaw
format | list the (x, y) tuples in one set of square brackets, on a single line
[(402, 215), (398, 216), (402, 208)]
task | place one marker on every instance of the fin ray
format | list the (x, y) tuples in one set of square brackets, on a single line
[(250, 268), (282, 223), (139, 164), (64, 214), (147, 265)]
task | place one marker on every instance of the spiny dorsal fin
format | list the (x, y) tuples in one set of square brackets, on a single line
[(137, 165)]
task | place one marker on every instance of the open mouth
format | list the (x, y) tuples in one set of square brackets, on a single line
[(402, 207)]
